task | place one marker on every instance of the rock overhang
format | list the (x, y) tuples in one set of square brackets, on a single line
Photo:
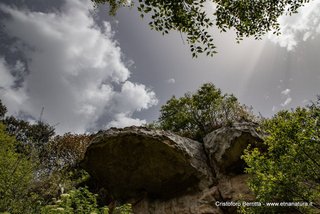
[(133, 161)]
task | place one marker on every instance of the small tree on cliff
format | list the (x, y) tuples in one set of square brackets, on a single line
[(289, 170), (195, 115)]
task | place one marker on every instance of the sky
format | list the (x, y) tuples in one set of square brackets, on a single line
[(89, 71)]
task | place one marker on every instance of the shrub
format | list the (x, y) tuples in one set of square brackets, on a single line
[(81, 201)]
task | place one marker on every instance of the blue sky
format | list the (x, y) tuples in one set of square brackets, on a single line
[(90, 71)]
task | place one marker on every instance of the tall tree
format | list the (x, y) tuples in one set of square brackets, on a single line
[(289, 170), (16, 176), (247, 18), (3, 110)]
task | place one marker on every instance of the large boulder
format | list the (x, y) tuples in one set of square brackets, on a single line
[(225, 147), (137, 161), (159, 172)]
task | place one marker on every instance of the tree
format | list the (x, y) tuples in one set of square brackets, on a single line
[(195, 115), (59, 170), (38, 133), (65, 152), (36, 168), (3, 110), (289, 170), (16, 177), (247, 18)]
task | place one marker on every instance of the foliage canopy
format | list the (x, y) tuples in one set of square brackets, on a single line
[(80, 201), (195, 115), (3, 110), (247, 18), (37, 167), (16, 176), (290, 168)]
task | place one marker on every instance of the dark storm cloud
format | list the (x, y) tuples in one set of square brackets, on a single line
[(72, 63)]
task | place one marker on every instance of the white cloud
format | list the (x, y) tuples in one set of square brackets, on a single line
[(305, 101), (73, 66), (123, 120), (6, 80), (286, 102), (299, 27), (286, 91), (133, 96), (15, 96), (288, 99), (171, 81)]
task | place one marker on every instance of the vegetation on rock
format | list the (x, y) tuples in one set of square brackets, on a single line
[(286, 168), (196, 115)]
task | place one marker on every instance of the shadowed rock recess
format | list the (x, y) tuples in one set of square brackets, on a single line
[(160, 172), (134, 161), (225, 147)]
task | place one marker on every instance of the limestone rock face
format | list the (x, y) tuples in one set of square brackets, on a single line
[(136, 161), (159, 172), (200, 202), (225, 146), (234, 188)]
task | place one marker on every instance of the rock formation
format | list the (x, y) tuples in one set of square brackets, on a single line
[(162, 173), (132, 161), (225, 146)]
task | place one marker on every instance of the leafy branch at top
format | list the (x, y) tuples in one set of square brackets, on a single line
[(248, 18)]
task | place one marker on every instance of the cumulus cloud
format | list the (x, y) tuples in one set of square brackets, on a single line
[(16, 96), (74, 67), (305, 102), (299, 27), (123, 120), (288, 99), (171, 81), (286, 91), (6, 80), (286, 102)]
